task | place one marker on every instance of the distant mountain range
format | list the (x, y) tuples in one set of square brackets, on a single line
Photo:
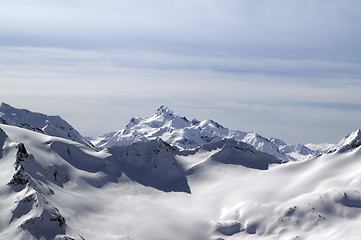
[(191, 134), (171, 128), (165, 177)]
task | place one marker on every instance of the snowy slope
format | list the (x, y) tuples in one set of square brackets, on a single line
[(228, 151), (299, 151), (38, 170), (34, 168), (319, 199), (347, 143), (152, 163), (51, 187), (320, 147), (182, 133), (50, 125)]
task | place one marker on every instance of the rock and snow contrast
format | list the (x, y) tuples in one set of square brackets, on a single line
[(148, 182), (185, 134)]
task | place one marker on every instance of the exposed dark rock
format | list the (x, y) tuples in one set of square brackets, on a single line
[(19, 178), (58, 219)]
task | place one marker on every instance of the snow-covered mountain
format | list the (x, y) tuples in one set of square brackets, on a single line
[(173, 129), (298, 151), (185, 134), (38, 122), (55, 188), (349, 142), (40, 174), (319, 148), (230, 151)]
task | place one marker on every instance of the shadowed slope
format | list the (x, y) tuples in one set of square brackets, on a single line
[(153, 164)]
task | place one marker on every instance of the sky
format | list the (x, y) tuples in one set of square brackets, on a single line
[(285, 69)]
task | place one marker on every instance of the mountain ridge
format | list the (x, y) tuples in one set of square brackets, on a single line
[(351, 141), (39, 122), (185, 134)]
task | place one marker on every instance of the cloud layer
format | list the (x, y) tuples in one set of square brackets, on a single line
[(285, 69), (324, 28)]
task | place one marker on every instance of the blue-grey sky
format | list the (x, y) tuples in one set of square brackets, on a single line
[(287, 69)]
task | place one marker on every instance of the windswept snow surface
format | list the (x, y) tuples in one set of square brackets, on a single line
[(50, 125), (55, 188), (185, 134)]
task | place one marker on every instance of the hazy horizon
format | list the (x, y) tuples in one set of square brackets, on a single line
[(290, 70)]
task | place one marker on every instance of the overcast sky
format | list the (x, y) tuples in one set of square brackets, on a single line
[(287, 69)]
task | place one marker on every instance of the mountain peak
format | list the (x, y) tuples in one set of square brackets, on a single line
[(349, 142), (278, 142), (184, 134), (354, 136), (164, 110), (5, 105), (357, 133)]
